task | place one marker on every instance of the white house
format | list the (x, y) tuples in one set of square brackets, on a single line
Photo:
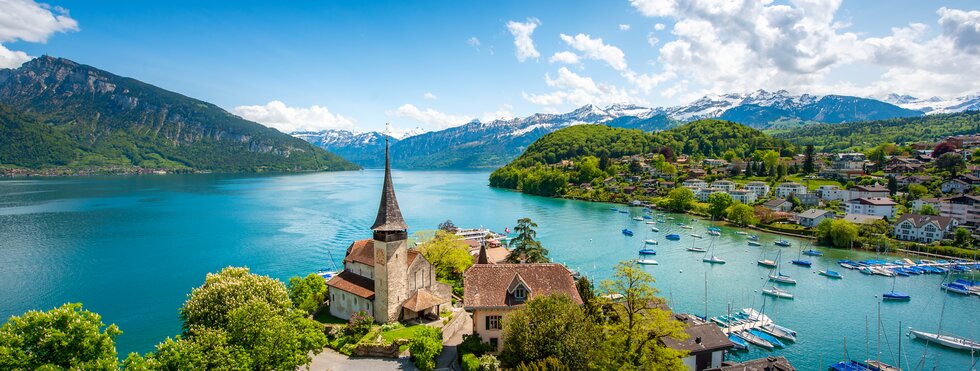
[(695, 183), (812, 217), (702, 194), (868, 191), (786, 189), (961, 184), (875, 206), (832, 193), (931, 201), (923, 228), (724, 185), (744, 196), (761, 189), (778, 204)]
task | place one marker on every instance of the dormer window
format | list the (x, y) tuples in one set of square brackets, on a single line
[(520, 293)]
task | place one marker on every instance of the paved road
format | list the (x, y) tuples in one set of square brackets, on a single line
[(330, 360)]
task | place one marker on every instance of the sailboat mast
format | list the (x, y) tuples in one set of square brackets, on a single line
[(879, 333), (705, 294)]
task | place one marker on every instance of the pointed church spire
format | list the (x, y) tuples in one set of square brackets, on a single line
[(389, 215)]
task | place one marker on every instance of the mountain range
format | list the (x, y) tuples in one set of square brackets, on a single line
[(56, 112), (491, 144)]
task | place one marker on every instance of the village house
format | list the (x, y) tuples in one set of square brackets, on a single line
[(695, 183), (382, 276), (785, 190), (964, 208), (808, 199), (831, 193), (761, 189), (812, 217), (715, 162), (923, 228), (744, 196), (960, 184), (906, 180), (862, 219), (931, 201), (696, 173), (724, 185), (849, 161), (778, 204), (876, 206), (705, 344), (868, 191), (491, 291), (702, 194)]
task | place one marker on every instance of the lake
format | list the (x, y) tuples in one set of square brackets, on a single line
[(132, 247)]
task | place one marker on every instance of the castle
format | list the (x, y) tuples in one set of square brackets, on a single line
[(382, 276)]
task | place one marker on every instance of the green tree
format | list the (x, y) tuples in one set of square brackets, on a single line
[(67, 337), (425, 346), (223, 292), (308, 293), (741, 215), (524, 248), (588, 169), (718, 204), (951, 162), (590, 303), (781, 171), (962, 238), (916, 191), (837, 232), (808, 159), (550, 326), (927, 209), (448, 254), (770, 158), (680, 199), (892, 185), (638, 323), (448, 226)]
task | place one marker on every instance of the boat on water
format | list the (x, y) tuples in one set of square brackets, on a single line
[(782, 278), (326, 274), (880, 366), (670, 218), (650, 242), (848, 264), (673, 237), (775, 292), (697, 249), (767, 263), (648, 252), (627, 232), (713, 260), (754, 237), (714, 233), (647, 262), (896, 296), (777, 331), (951, 341), (624, 211), (956, 288), (695, 235), (754, 243), (655, 229), (743, 233), (802, 263), (850, 366), (831, 274), (740, 344), (651, 222), (812, 252), (687, 227), (613, 209), (647, 216), (782, 243), (764, 336), (755, 340), (636, 218)]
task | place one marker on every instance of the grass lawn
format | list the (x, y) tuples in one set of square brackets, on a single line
[(324, 316), (400, 333), (812, 183)]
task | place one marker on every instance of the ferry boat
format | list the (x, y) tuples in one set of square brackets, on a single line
[(775, 292), (673, 237), (831, 274), (648, 252), (650, 242), (628, 232), (783, 243)]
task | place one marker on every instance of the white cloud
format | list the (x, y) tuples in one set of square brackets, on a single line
[(652, 40), (596, 49), (429, 95), (578, 90), (624, 27), (565, 57), (430, 116), (278, 115), (26, 20), (474, 42), (736, 46), (522, 38), (659, 26)]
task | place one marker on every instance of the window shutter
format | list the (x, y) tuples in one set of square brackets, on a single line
[(487, 320)]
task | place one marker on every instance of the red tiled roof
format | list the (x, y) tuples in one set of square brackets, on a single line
[(353, 283), (919, 221), (486, 285), (361, 251), (423, 299)]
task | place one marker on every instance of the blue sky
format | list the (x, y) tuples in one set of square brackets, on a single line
[(357, 65)]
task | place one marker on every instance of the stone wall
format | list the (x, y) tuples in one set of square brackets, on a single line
[(376, 350), (460, 319)]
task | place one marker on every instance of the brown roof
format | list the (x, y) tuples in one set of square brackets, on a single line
[(703, 337), (423, 299), (871, 188), (919, 221), (353, 283), (362, 251), (877, 201), (486, 285), (761, 364)]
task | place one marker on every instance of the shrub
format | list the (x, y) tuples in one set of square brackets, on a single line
[(547, 364), (426, 345), (489, 363), (472, 343), (470, 362), (358, 324)]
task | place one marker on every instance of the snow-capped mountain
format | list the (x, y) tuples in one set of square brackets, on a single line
[(479, 144), (935, 105)]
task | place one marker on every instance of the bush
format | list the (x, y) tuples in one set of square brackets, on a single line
[(470, 362), (472, 343), (489, 363), (358, 324), (547, 364), (426, 345)]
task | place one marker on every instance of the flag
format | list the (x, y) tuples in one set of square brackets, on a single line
[(506, 229)]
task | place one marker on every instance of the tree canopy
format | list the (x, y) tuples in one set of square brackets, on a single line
[(525, 248), (67, 337)]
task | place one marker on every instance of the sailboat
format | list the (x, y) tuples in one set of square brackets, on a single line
[(800, 261), (951, 341), (778, 278), (755, 340), (831, 274), (673, 237), (775, 275), (654, 229), (647, 261), (754, 243), (650, 242), (740, 344), (648, 252), (713, 259), (895, 295), (777, 292)]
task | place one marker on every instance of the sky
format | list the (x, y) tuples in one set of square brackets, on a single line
[(356, 65)]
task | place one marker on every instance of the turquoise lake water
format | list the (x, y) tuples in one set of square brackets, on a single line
[(131, 249)]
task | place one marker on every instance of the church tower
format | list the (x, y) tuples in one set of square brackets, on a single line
[(390, 253)]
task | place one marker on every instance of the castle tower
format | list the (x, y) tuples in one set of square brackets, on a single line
[(390, 253)]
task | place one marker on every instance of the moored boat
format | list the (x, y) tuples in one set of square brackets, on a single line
[(697, 249), (637, 218), (755, 340), (951, 341), (782, 278), (714, 233), (850, 366), (812, 252), (831, 274), (782, 243), (896, 296), (956, 288), (627, 232), (647, 262), (775, 292), (695, 235), (740, 344), (771, 339), (648, 252), (741, 233), (767, 263), (777, 331), (650, 242), (714, 260), (673, 237), (754, 243), (655, 229), (802, 263)]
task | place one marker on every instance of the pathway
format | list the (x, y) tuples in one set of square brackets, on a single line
[(331, 360), (448, 359)]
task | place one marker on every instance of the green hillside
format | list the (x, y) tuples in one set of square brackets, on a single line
[(866, 134)]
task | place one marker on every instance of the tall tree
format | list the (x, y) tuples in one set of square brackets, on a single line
[(550, 326), (809, 162), (943, 148), (680, 199), (67, 337), (718, 204), (741, 214), (448, 254), (308, 293), (951, 162), (638, 322), (892, 185), (524, 247), (589, 299), (448, 226)]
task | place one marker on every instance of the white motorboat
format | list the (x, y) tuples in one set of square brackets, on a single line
[(695, 235), (714, 233), (647, 262), (951, 341), (637, 218), (697, 249), (650, 242), (754, 243), (651, 222), (655, 229), (743, 233)]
